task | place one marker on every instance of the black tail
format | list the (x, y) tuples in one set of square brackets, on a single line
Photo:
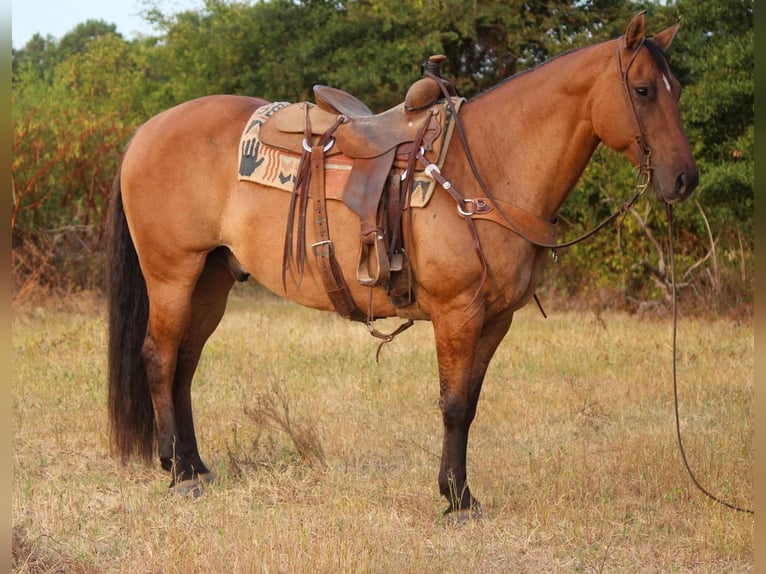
[(131, 415)]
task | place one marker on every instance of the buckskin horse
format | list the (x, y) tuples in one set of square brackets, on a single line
[(184, 227)]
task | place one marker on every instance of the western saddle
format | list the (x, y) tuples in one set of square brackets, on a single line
[(383, 147)]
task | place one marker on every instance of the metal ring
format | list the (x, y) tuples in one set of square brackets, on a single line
[(326, 148), (464, 213)]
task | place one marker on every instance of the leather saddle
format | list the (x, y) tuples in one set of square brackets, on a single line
[(363, 135), (340, 123)]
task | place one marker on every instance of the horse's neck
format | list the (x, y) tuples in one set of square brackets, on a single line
[(531, 136)]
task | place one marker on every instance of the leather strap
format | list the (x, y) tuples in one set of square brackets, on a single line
[(526, 224), (329, 270), (300, 190)]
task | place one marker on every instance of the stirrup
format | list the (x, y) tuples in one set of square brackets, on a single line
[(397, 262), (382, 268)]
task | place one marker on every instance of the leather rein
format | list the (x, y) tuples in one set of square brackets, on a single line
[(671, 257)]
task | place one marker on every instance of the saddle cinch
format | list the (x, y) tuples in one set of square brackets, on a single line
[(383, 148)]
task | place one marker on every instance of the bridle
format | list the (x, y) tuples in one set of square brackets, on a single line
[(645, 166)]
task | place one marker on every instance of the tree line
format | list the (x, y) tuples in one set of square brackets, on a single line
[(76, 100)]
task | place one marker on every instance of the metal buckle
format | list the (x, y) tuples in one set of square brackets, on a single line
[(318, 244), (468, 202)]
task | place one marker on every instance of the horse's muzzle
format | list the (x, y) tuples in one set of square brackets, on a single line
[(678, 187)]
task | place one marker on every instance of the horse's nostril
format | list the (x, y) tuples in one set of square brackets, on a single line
[(685, 183)]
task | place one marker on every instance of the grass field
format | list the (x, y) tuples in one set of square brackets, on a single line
[(327, 461)]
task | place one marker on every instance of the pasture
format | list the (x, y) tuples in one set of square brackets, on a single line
[(327, 460)]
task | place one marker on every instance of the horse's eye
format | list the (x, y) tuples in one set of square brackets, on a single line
[(642, 92)]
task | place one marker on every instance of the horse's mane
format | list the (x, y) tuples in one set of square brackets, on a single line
[(534, 68), (659, 56), (657, 53)]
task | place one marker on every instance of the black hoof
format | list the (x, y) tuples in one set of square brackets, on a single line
[(463, 515), (194, 487)]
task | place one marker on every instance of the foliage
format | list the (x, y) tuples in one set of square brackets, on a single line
[(718, 108), (70, 126), (77, 100)]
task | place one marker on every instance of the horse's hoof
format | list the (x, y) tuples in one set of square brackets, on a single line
[(185, 488), (207, 478), (460, 517), (464, 515)]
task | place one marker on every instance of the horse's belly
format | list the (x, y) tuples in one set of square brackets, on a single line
[(255, 229)]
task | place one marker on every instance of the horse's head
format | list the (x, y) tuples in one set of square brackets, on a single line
[(635, 111)]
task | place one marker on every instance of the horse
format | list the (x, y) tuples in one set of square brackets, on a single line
[(184, 228)]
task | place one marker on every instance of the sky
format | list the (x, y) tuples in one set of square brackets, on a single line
[(57, 17)]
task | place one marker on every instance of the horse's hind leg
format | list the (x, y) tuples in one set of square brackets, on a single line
[(208, 306), (179, 323)]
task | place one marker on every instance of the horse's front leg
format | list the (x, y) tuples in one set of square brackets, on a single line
[(464, 347)]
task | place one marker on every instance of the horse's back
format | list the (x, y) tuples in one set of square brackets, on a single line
[(199, 130)]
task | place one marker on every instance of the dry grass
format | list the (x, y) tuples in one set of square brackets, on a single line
[(327, 461)]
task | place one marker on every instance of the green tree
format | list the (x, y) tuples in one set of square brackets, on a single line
[(43, 54), (69, 130), (718, 108), (716, 54), (374, 49), (35, 55), (76, 40)]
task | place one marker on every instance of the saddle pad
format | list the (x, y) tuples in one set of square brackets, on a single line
[(265, 165), (259, 163)]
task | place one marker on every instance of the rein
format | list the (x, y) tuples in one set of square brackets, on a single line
[(671, 254)]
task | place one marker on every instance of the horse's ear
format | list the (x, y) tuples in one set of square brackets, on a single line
[(664, 38), (636, 30)]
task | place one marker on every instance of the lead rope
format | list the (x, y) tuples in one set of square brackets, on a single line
[(671, 257)]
